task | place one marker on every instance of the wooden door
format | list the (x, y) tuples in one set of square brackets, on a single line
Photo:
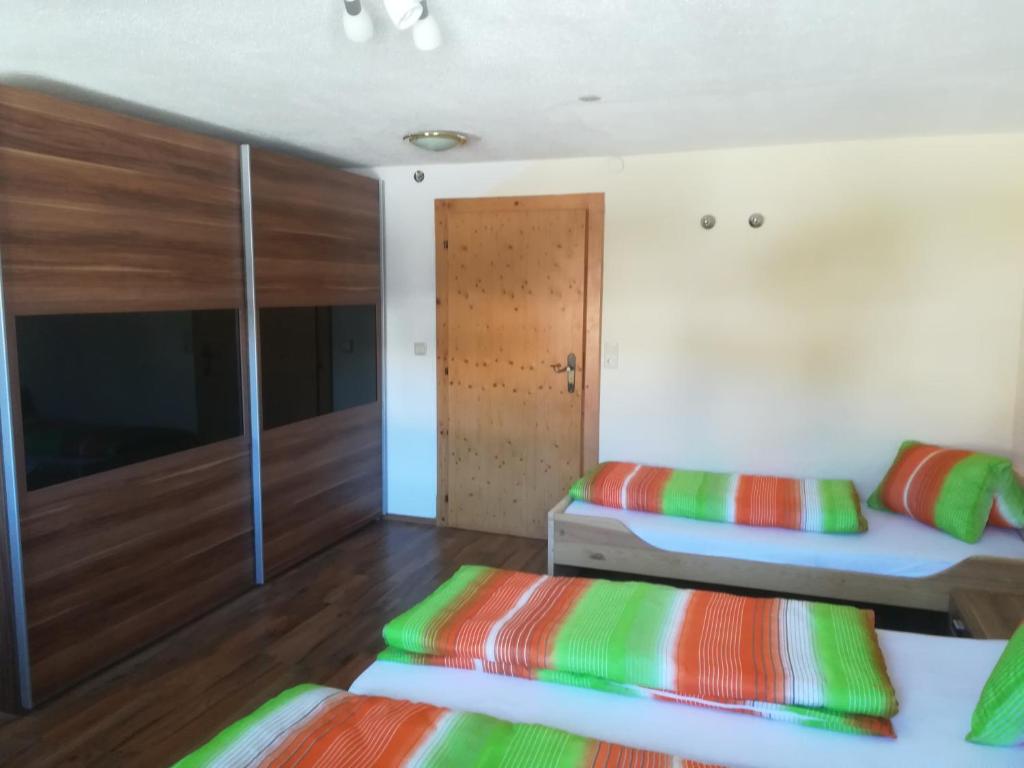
[(519, 291)]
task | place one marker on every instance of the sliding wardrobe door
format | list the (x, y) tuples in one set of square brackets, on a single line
[(123, 280), (316, 241)]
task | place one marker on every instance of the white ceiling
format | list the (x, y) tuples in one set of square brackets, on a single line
[(674, 74)]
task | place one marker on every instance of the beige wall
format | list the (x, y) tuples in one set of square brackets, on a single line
[(881, 300)]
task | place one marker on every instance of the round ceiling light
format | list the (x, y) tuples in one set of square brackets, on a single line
[(437, 141)]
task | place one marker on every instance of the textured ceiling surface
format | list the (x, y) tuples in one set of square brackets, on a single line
[(673, 74)]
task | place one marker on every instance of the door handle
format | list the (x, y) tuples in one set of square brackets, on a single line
[(569, 369)]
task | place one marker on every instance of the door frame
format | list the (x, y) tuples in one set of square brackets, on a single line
[(593, 204)]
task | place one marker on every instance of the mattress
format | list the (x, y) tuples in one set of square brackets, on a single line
[(894, 545), (938, 681)]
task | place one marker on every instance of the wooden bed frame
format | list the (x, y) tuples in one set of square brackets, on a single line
[(608, 545)]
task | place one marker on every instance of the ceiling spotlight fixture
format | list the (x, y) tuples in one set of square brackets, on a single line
[(404, 13), (426, 34), (436, 141), (357, 22)]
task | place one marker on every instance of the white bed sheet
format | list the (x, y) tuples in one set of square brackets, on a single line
[(894, 545), (937, 679)]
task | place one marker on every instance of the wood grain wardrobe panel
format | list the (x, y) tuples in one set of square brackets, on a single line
[(102, 213), (321, 481), (316, 234), (105, 213), (114, 561)]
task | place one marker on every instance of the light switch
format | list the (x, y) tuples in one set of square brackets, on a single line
[(419, 348), (611, 354)]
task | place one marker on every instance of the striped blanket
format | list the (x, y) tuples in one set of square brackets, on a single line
[(809, 663), (820, 506), (312, 726)]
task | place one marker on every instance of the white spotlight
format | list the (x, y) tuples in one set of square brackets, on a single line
[(357, 22), (426, 34), (404, 13)]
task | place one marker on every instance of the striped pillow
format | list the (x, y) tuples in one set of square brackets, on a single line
[(999, 717), (953, 490)]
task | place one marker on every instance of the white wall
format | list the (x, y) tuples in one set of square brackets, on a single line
[(1018, 440), (882, 300)]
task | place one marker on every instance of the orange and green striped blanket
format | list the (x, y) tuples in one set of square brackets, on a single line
[(820, 506), (809, 663), (314, 727)]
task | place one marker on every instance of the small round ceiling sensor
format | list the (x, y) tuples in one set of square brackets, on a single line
[(589, 98)]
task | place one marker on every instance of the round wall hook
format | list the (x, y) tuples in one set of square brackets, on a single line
[(707, 221), (756, 220)]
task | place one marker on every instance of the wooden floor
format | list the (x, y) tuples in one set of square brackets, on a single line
[(318, 623)]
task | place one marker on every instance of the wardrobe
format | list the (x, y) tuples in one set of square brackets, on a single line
[(147, 479)]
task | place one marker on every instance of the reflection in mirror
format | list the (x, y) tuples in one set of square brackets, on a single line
[(316, 360)]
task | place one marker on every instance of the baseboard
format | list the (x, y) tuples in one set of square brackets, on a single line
[(431, 521)]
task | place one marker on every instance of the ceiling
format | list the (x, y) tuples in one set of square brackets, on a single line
[(673, 74)]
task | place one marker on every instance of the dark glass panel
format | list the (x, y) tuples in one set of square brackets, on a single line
[(316, 360), (106, 390)]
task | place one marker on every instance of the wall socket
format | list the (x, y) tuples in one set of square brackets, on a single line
[(419, 348), (611, 354)]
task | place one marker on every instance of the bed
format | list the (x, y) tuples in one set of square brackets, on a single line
[(937, 680), (318, 727), (897, 562)]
